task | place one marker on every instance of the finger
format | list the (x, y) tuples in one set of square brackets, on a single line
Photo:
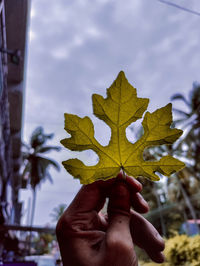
[(139, 203), (133, 183), (92, 196), (82, 213), (119, 214), (147, 237)]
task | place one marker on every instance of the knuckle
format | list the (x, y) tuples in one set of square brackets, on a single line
[(116, 242), (63, 225)]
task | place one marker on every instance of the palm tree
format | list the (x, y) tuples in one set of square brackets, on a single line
[(57, 212), (182, 182), (192, 116), (36, 165), (189, 145)]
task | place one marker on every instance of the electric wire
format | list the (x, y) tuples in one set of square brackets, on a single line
[(180, 7)]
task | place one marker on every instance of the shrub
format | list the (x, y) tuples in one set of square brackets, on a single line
[(180, 250)]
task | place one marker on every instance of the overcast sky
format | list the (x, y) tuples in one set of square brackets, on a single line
[(76, 48)]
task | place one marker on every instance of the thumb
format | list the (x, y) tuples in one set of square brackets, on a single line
[(119, 211)]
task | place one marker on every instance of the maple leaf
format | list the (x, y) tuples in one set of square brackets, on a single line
[(121, 108)]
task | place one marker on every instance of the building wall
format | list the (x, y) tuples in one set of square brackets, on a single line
[(14, 38), (5, 140)]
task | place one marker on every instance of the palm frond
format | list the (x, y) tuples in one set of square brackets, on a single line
[(47, 162), (182, 113), (38, 137), (177, 122), (25, 145), (43, 149), (57, 212), (49, 177), (35, 136), (184, 123), (179, 96), (43, 169)]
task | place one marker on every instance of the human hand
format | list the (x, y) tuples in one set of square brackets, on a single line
[(87, 238)]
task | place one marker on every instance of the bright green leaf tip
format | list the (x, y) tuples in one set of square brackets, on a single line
[(121, 108)]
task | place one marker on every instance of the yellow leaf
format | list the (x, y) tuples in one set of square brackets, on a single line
[(121, 108)]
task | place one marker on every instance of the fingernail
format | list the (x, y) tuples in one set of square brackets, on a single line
[(162, 258), (161, 240), (142, 200), (135, 184)]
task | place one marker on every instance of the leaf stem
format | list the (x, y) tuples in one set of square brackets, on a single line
[(123, 174)]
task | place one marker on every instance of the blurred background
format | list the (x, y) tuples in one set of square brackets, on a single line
[(54, 56)]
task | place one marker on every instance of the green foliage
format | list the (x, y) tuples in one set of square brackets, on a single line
[(42, 244), (121, 108)]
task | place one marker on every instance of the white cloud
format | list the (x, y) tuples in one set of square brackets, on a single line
[(93, 32), (60, 53)]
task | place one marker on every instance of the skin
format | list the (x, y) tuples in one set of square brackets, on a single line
[(86, 237)]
